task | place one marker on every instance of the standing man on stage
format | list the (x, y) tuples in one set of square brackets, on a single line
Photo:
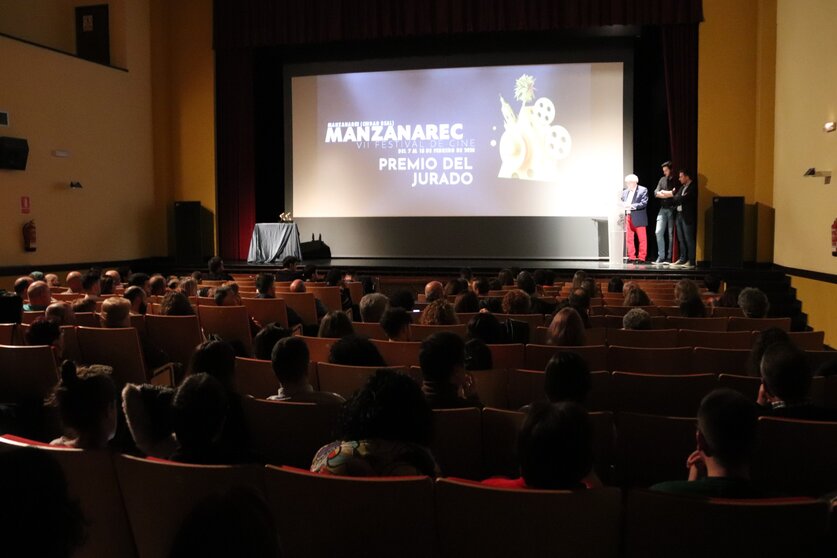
[(665, 218), (685, 200), (634, 201)]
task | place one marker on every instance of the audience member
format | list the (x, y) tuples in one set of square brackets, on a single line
[(61, 313), (106, 286), (685, 290), (487, 328), (116, 312), (372, 307), (402, 298), (477, 356), (591, 288), (726, 436), (567, 329), (454, 287), (46, 332), (22, 285), (753, 302), (385, 430), (290, 361), (396, 324), (266, 339), (692, 308), (73, 281), (567, 378), (636, 297), (526, 283), (289, 271), (157, 284), (141, 280), (298, 286), (189, 287), (786, 378), (216, 270), (136, 296), (225, 295), (578, 278), (84, 305), (579, 301), (352, 350), (200, 410), (335, 325), (86, 401), (467, 303), (266, 285), (52, 280), (438, 312), (482, 286), (615, 285), (91, 285), (446, 383), (516, 301), (506, 278), (115, 277), (176, 304), (433, 291), (636, 318), (713, 284), (39, 297)]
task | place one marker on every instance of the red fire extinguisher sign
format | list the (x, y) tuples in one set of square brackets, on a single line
[(25, 205)]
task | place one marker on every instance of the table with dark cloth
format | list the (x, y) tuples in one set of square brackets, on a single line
[(274, 241)]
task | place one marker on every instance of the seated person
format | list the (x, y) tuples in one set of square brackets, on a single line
[(567, 329), (84, 305), (60, 313), (141, 280), (477, 356), (516, 302), (396, 324), (227, 295), (446, 384), (298, 286), (372, 307), (86, 401), (434, 290), (555, 447), (176, 304), (579, 301), (764, 339), (384, 431), (637, 319), (21, 285), (753, 302), (615, 285), (52, 280), (266, 285), (693, 308), (567, 378), (290, 364), (636, 297), (438, 312), (266, 339), (785, 391), (216, 270), (467, 302), (116, 313), (157, 284), (684, 290), (91, 285), (353, 350), (335, 325), (189, 287), (46, 332), (39, 297), (726, 437), (137, 297), (73, 282), (289, 271), (486, 327), (402, 298)]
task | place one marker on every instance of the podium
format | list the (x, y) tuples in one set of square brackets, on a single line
[(616, 237)]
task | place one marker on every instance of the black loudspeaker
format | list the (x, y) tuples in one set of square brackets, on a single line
[(194, 233), (13, 153), (315, 249), (728, 232)]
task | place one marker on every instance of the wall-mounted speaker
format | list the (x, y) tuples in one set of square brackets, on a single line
[(13, 153), (194, 233)]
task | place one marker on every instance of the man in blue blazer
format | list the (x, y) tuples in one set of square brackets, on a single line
[(634, 201)]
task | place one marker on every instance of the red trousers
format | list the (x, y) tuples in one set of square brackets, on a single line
[(630, 229)]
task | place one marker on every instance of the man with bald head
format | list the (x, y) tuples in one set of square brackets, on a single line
[(52, 280), (21, 284), (61, 313), (74, 282), (433, 291), (39, 297), (298, 286), (113, 274)]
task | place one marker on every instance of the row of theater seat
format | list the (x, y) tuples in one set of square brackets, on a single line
[(134, 507)]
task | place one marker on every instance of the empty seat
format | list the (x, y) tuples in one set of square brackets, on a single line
[(288, 433), (808, 340), (7, 332), (116, 347), (399, 353), (534, 320), (503, 522), (267, 310), (748, 386), (346, 380), (527, 386), (373, 517), (663, 525), (255, 377), (303, 304), (371, 330), (758, 324), (651, 448), (658, 394), (715, 339), (659, 338), (318, 347), (457, 442), (26, 373), (537, 356), (421, 332), (650, 361), (720, 361), (177, 336), (492, 386), (230, 323), (511, 355), (30, 316), (159, 495), (721, 312)]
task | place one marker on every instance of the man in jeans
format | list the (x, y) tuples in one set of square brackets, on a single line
[(665, 218), (685, 200)]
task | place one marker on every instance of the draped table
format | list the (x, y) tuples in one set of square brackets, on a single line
[(274, 241)]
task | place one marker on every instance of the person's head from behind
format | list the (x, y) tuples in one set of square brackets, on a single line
[(137, 298), (590, 287), (516, 302), (390, 407), (176, 304), (487, 328), (290, 263), (297, 286), (116, 312), (73, 281), (334, 277), (22, 285), (433, 291), (199, 412), (526, 283), (578, 278), (727, 423), (467, 302), (106, 285), (39, 294), (439, 312), (636, 318), (685, 290), (52, 280), (141, 280), (216, 358), (396, 324), (86, 402), (567, 378), (266, 339), (454, 287), (402, 298), (506, 277), (225, 295), (580, 300), (215, 265), (372, 307), (44, 331), (482, 286), (477, 356), (189, 287), (636, 297), (336, 324), (289, 360), (615, 285), (555, 446), (84, 305), (764, 339), (60, 313), (157, 284), (567, 329), (91, 283), (753, 302), (353, 350), (712, 282), (442, 358), (786, 374), (44, 520), (692, 308), (266, 284)]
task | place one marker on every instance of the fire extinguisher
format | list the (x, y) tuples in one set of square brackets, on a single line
[(834, 238), (30, 239)]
